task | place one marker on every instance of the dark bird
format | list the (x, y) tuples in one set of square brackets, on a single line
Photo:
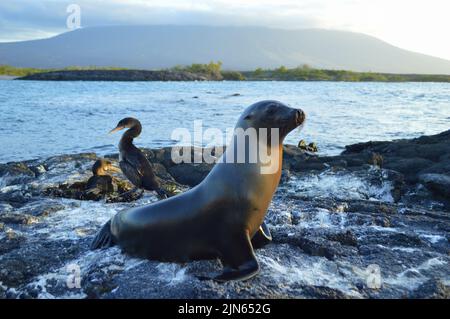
[(132, 161), (101, 183)]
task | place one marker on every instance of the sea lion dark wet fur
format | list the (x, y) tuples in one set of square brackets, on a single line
[(218, 217)]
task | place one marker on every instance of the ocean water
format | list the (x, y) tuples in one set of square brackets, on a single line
[(42, 119)]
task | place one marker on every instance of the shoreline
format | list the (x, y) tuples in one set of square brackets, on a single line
[(290, 75)]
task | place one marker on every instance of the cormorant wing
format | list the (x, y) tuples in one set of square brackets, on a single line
[(131, 172)]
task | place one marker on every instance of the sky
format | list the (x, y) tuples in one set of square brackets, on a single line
[(417, 25)]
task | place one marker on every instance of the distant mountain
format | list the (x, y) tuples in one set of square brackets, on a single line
[(239, 48)]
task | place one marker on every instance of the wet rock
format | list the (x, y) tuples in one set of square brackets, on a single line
[(315, 245), (15, 173), (5, 207), (285, 176), (437, 183), (120, 192), (17, 218), (11, 241), (38, 170), (18, 266), (320, 292), (408, 166), (74, 190), (58, 160), (423, 155), (129, 196), (389, 238), (346, 238), (45, 209), (190, 174), (432, 289), (16, 198)]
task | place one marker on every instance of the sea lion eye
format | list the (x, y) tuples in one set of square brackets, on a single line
[(248, 117)]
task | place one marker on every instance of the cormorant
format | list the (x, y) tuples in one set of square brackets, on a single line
[(101, 183), (132, 161)]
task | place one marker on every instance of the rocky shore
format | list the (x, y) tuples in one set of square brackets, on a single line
[(373, 222), (115, 75)]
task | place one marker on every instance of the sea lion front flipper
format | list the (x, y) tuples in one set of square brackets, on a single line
[(238, 259), (262, 237)]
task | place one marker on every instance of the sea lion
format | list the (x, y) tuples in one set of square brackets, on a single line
[(219, 216)]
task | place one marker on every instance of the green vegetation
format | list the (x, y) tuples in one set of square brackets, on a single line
[(13, 71), (307, 73), (213, 71), (232, 76)]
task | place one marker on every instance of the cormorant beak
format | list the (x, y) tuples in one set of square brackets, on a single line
[(118, 128)]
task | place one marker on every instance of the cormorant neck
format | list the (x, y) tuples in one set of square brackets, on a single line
[(131, 133)]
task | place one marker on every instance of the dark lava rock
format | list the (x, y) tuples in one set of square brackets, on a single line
[(437, 183), (20, 265), (17, 218), (38, 170), (347, 238), (44, 210), (426, 154), (16, 173), (190, 174), (431, 289), (320, 292), (11, 241), (4, 207), (116, 75), (16, 198), (315, 245), (77, 190), (13, 169), (77, 159)]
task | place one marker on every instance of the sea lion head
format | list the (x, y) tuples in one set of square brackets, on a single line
[(271, 114)]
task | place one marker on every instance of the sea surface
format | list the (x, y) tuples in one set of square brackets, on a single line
[(42, 119)]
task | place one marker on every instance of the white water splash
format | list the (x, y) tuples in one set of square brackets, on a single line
[(171, 273), (309, 271), (340, 185), (413, 277), (434, 239)]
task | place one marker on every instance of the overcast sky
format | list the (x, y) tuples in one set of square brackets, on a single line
[(417, 25)]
